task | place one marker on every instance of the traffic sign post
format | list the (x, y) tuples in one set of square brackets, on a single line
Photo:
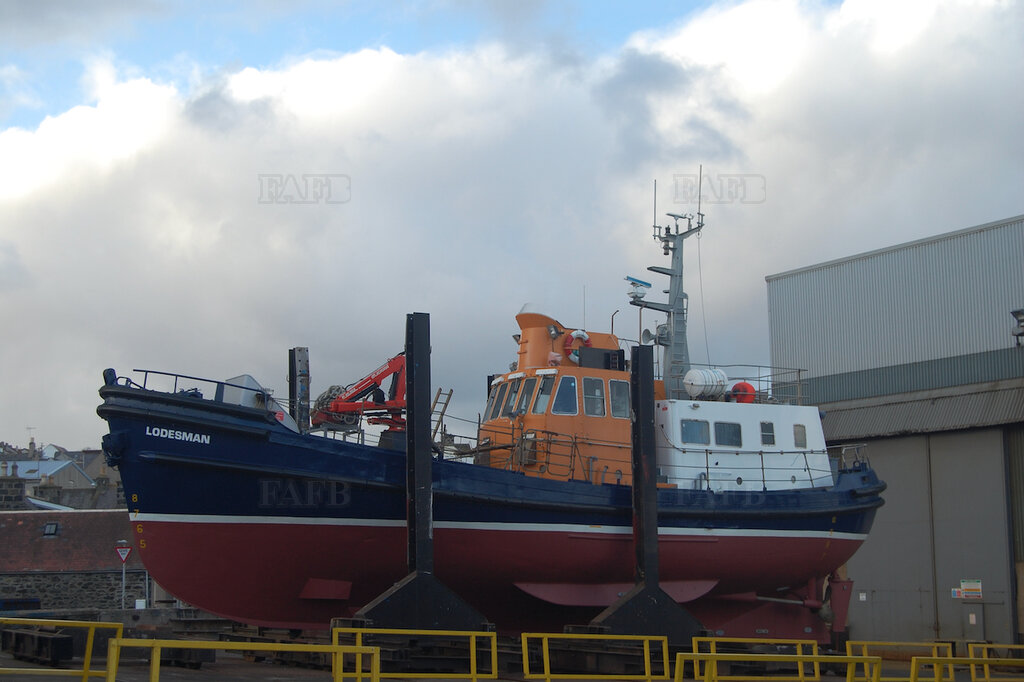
[(123, 550)]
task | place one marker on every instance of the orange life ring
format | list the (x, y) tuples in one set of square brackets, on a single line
[(572, 353)]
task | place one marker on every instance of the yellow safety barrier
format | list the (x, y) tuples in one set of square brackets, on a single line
[(473, 636), (545, 639), (155, 645), (939, 650), (803, 646), (86, 671), (982, 650), (917, 663), (711, 661)]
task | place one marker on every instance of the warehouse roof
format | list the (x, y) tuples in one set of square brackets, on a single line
[(944, 409)]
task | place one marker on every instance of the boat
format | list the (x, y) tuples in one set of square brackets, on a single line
[(256, 513)]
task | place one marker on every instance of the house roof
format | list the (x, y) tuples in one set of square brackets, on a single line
[(34, 469), (81, 540)]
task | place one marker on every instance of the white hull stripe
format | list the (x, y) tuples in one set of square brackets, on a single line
[(505, 527)]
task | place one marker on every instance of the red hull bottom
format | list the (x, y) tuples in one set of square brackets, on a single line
[(301, 575)]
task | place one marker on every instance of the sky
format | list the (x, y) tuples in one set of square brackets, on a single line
[(198, 187)]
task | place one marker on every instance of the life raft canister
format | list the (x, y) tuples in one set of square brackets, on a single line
[(573, 353)]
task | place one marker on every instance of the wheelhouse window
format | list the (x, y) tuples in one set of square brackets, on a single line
[(490, 401), (767, 433), (728, 433), (800, 435), (593, 397), (499, 399), (547, 384), (525, 395), (513, 393), (618, 391), (696, 431), (565, 398)]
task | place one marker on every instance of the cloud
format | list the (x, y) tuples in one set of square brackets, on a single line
[(28, 23), (17, 90), (137, 230)]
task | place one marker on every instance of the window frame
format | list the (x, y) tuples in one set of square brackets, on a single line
[(612, 383), (566, 380), (588, 400), (799, 434), (705, 432), (720, 429), (499, 399), (540, 407), (513, 395), (525, 395)]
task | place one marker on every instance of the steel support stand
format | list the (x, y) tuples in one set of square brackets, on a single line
[(420, 601), (646, 609)]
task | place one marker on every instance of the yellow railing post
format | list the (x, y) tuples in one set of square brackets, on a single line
[(472, 657), (154, 663), (546, 654), (87, 660), (113, 656)]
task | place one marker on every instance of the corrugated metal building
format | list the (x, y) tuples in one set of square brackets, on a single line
[(910, 349)]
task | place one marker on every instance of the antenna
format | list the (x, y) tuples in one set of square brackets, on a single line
[(654, 217), (700, 185)]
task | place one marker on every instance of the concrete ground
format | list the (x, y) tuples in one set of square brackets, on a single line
[(229, 667)]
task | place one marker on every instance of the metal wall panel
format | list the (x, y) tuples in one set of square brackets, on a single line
[(1015, 473), (917, 376), (1015, 458), (941, 297), (944, 519), (893, 572), (972, 538)]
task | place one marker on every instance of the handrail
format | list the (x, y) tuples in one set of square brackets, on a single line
[(92, 626), (981, 650), (155, 645), (545, 638), (936, 647), (146, 372), (799, 644), (940, 662), (473, 674), (710, 671)]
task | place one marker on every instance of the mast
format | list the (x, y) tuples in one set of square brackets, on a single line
[(672, 335)]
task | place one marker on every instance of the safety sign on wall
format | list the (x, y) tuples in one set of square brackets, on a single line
[(970, 588)]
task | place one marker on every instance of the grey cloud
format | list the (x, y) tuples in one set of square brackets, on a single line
[(213, 109), (29, 22), (13, 273), (630, 95)]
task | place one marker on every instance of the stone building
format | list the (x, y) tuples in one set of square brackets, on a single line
[(69, 559)]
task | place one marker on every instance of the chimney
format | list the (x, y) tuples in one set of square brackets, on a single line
[(32, 452), (12, 489)]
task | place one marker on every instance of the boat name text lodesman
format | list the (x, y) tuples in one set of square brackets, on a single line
[(203, 438)]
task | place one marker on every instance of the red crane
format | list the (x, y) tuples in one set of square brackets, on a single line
[(340, 407)]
